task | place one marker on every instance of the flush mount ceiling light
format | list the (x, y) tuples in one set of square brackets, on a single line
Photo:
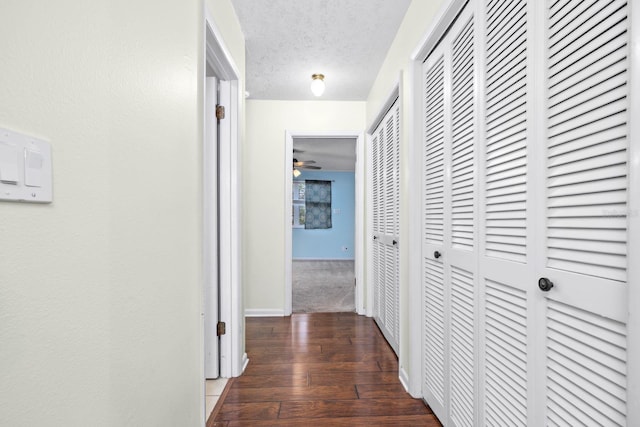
[(317, 84)]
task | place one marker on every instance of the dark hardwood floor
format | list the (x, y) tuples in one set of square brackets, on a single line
[(320, 369)]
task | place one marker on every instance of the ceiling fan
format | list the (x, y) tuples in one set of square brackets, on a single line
[(302, 164), (305, 164)]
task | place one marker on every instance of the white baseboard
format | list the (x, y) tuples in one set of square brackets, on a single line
[(404, 379), (263, 312), (406, 383), (245, 362)]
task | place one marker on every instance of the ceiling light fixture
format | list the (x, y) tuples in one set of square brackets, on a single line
[(296, 173), (317, 84)]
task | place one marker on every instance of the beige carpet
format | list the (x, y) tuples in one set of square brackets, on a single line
[(323, 286)]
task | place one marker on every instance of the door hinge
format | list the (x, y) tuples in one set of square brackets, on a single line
[(219, 112), (222, 328)]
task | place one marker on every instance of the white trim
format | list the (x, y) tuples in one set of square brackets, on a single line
[(386, 106), (231, 306), (264, 312), (245, 361), (446, 16), (633, 325), (288, 221), (288, 232), (369, 231), (360, 255), (414, 216), (404, 380), (216, 52), (210, 229)]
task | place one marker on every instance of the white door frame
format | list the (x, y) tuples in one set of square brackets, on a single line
[(394, 95), (210, 229), (233, 359), (359, 212)]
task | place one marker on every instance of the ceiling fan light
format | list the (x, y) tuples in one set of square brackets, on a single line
[(296, 173), (317, 84)]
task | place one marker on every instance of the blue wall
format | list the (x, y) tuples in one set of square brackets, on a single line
[(328, 244)]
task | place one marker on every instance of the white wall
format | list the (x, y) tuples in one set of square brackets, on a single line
[(417, 21), (263, 199), (100, 291)]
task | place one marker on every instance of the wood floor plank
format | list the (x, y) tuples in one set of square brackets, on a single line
[(286, 349), (398, 421), (297, 368), (319, 369), (354, 378), (291, 357), (389, 391), (277, 394), (352, 408), (248, 411), (253, 381), (296, 340)]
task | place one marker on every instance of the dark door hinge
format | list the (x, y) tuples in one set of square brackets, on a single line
[(222, 328), (219, 112)]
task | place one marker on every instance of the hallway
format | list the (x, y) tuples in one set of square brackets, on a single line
[(319, 369)]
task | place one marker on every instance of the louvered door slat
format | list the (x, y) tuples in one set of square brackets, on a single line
[(434, 342), (593, 386), (586, 209), (462, 142), (596, 165), (462, 349), (506, 355), (434, 147), (506, 165)]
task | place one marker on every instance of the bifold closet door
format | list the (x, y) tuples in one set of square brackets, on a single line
[(507, 176), (525, 200), (449, 237), (583, 215), (386, 224)]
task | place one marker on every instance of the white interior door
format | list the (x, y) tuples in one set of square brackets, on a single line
[(210, 227), (449, 235), (507, 255), (385, 152), (583, 214), (526, 215)]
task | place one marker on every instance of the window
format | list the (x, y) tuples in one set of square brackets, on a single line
[(317, 205)]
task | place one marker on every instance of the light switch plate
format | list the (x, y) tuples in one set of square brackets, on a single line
[(25, 168)]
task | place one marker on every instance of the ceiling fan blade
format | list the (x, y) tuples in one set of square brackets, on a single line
[(309, 167), (295, 150), (304, 162)]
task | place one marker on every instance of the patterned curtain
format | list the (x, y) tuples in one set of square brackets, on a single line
[(317, 204)]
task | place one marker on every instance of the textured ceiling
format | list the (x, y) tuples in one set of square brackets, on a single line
[(331, 154), (289, 40)]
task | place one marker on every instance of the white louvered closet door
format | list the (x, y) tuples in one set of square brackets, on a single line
[(526, 201), (506, 218), (449, 238), (386, 228), (378, 266), (584, 213)]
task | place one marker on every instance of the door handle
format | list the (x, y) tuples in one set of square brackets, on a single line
[(545, 284), (437, 254)]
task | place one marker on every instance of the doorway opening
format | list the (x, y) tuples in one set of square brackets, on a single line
[(323, 270)]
